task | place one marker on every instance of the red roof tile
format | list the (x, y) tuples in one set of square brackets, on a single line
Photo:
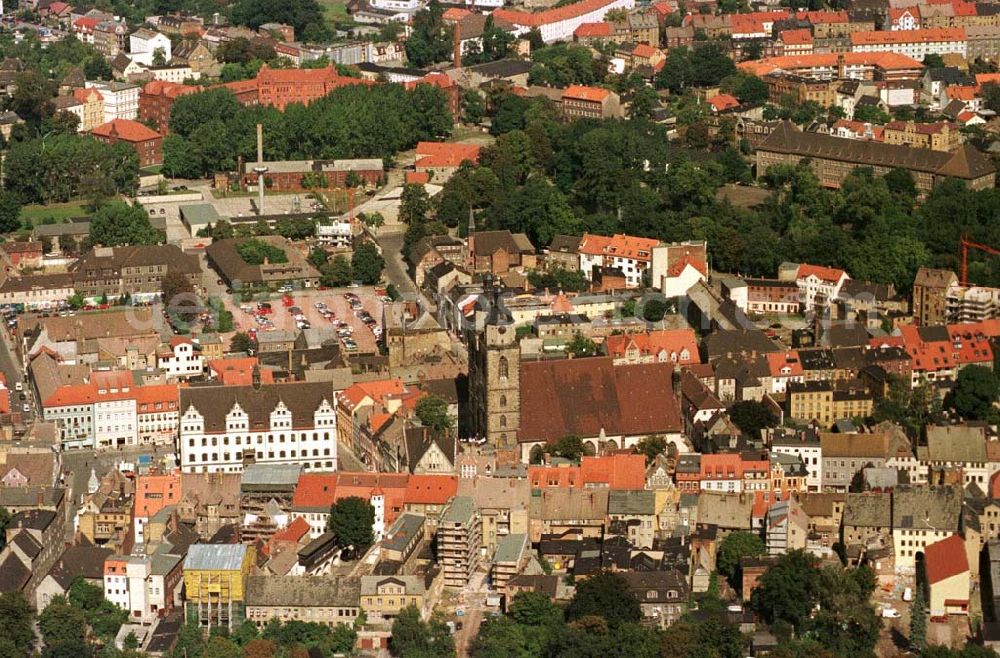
[(621, 472), (593, 30), (125, 129), (945, 558), (829, 274), (295, 531), (548, 16), (670, 342), (585, 93), (430, 489), (446, 154)]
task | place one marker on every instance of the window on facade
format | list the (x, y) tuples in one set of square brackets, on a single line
[(503, 368)]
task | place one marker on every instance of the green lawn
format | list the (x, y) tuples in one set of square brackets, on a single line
[(335, 10), (34, 214)]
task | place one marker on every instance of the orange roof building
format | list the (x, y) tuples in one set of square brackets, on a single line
[(678, 346), (620, 472), (153, 492), (146, 142), (445, 155), (602, 30), (854, 65), (429, 490), (239, 371), (722, 102), (631, 254)]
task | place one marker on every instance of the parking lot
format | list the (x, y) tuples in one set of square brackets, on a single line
[(328, 310)]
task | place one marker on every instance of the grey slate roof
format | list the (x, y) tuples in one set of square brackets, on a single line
[(215, 557), (510, 547), (868, 510), (631, 503), (927, 508)]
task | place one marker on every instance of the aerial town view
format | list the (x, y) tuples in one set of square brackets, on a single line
[(499, 329)]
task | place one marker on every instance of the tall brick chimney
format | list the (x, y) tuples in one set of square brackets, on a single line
[(456, 45)]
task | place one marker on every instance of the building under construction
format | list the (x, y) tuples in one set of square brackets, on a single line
[(215, 578)]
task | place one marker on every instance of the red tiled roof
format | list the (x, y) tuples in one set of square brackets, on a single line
[(317, 490), (585, 93), (295, 531), (620, 245), (829, 274), (921, 128), (84, 95), (962, 92), (987, 78), (446, 154), (796, 37), (620, 472), (896, 13), (377, 390), (644, 50), (594, 30), (153, 492), (672, 342), (945, 558), (563, 477), (125, 129), (435, 78), (585, 396), (239, 372), (454, 14), (884, 60), (723, 102), (430, 489), (778, 361), (887, 37), (168, 89), (417, 177), (156, 398), (554, 15), (823, 17), (85, 22)]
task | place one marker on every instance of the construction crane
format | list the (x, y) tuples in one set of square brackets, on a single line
[(968, 244)]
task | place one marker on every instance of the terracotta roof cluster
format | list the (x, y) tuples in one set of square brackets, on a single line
[(895, 37), (943, 348), (168, 89), (239, 372), (672, 343), (823, 17), (318, 491), (618, 245), (616, 472), (883, 60), (722, 102), (796, 37), (587, 396), (378, 391)]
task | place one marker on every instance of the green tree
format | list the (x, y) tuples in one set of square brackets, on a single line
[(430, 39), (255, 252), (975, 393), (412, 637), (351, 520), (337, 272), (306, 16), (103, 617), (367, 263), (654, 310), (569, 447), (178, 295), (644, 101), (733, 548), (751, 417), (473, 106), (63, 626), (433, 413), (318, 257), (117, 223), (221, 647), (414, 205), (241, 342), (4, 522), (918, 621), (16, 618), (581, 346), (651, 446), (787, 591), (605, 595), (10, 212)]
